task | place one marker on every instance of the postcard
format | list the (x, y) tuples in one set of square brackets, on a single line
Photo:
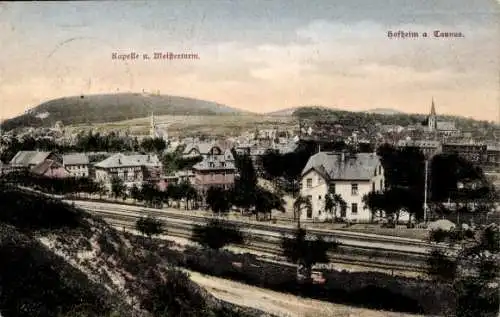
[(249, 158)]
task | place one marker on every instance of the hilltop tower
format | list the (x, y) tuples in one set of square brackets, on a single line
[(431, 121)]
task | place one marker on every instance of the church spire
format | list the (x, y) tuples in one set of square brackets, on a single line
[(152, 128), (433, 108)]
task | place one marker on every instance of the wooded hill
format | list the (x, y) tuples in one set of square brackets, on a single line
[(87, 109)]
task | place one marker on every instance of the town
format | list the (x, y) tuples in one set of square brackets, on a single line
[(250, 159), (356, 187)]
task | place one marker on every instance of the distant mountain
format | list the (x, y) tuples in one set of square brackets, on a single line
[(114, 107), (282, 113), (290, 111), (386, 111)]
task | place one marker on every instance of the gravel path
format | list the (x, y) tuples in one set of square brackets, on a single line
[(280, 304)]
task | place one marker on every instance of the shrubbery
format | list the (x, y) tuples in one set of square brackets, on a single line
[(217, 233)]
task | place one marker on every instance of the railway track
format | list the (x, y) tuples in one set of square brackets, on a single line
[(271, 251), (409, 246)]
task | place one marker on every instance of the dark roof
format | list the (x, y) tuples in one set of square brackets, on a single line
[(27, 158), (343, 166), (75, 159), (41, 168)]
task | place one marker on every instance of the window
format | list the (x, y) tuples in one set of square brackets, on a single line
[(381, 184), (319, 197), (309, 183), (373, 186), (354, 189), (332, 188), (354, 208)]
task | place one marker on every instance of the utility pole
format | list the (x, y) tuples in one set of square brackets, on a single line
[(425, 190)]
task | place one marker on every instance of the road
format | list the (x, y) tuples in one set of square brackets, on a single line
[(280, 304)]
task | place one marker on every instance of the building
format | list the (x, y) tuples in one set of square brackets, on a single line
[(203, 149), (213, 171), (350, 175), (155, 131), (493, 158), (131, 169), (427, 147), (474, 152), (442, 128), (29, 159), (50, 168), (77, 164)]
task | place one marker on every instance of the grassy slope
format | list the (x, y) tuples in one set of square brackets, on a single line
[(115, 107), (64, 258), (220, 125)]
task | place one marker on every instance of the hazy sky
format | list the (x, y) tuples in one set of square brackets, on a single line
[(259, 55)]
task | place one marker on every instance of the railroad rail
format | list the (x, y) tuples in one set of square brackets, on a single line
[(268, 243)]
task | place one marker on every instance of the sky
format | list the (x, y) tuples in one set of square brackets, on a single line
[(259, 55)]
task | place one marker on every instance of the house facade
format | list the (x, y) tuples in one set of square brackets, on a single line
[(427, 147), (213, 171), (131, 169), (349, 175), (77, 164), (474, 152)]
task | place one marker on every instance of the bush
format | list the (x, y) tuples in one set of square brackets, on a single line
[(149, 226), (438, 235), (217, 234), (441, 266)]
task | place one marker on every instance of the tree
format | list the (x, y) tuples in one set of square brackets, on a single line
[(374, 201), (459, 180), (170, 162), (245, 185), (271, 163), (472, 271), (299, 204), (390, 201), (267, 201), (151, 195), (149, 226), (173, 191), (332, 201), (117, 187), (306, 252), (157, 145), (216, 234), (189, 193), (135, 193), (218, 200)]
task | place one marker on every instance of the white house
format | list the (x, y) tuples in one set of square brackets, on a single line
[(350, 175)]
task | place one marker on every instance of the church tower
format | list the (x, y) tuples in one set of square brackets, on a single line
[(431, 121), (152, 127)]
